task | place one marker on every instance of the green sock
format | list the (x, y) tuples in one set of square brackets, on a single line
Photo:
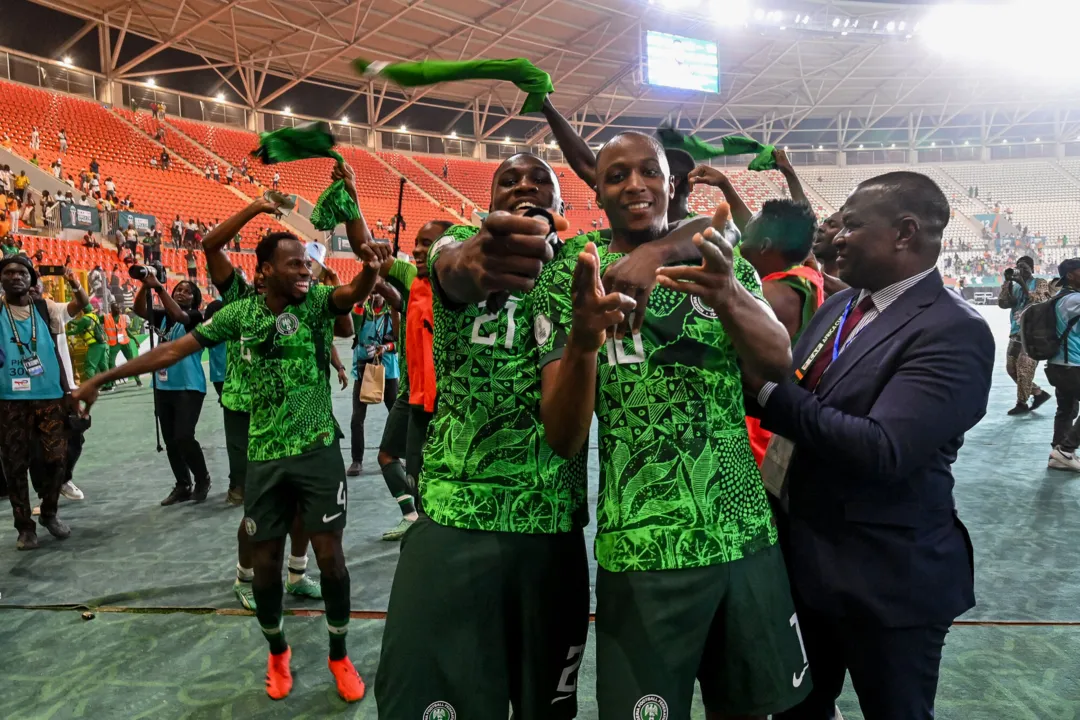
[(335, 591)]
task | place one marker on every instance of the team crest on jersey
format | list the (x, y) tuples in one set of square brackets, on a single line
[(651, 707), (440, 710), (287, 324), (249, 526), (702, 308), (542, 329)]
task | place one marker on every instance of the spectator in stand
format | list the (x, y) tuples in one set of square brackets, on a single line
[(229, 175), (129, 203), (13, 212), (95, 185), (110, 188), (192, 265), (445, 170), (131, 238), (67, 262), (189, 233), (34, 161), (164, 159), (6, 142), (206, 171), (217, 174), (277, 179), (35, 139), (39, 257), (160, 134), (152, 245), (153, 162), (57, 169), (236, 242), (94, 167), (89, 241), (63, 140), (21, 184), (177, 231), (7, 245)]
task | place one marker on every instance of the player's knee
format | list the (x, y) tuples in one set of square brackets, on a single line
[(386, 458)]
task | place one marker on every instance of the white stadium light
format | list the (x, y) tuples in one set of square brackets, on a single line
[(820, 147), (860, 146), (221, 97), (835, 22), (843, 32), (806, 19), (798, 19), (1004, 142), (403, 128), (67, 61), (453, 135), (151, 82), (1038, 139), (288, 110), (875, 25), (965, 142), (933, 144), (345, 119), (759, 14), (901, 26), (731, 14), (506, 139), (855, 24), (891, 26), (893, 145), (847, 21)]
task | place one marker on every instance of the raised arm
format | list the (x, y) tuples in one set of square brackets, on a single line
[(794, 186), (215, 242), (577, 152), (507, 254), (374, 256), (80, 299), (176, 313), (162, 356), (356, 230), (141, 305), (568, 385), (708, 175)]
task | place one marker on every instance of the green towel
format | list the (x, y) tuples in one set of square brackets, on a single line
[(313, 140), (521, 72), (732, 145)]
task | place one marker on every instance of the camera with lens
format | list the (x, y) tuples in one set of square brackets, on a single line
[(141, 272)]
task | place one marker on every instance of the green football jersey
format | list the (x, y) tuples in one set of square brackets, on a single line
[(487, 464), (236, 392), (401, 277), (679, 487), (289, 370)]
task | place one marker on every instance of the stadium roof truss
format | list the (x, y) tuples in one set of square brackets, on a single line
[(799, 83)]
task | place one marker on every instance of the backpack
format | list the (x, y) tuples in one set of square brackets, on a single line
[(1038, 329)]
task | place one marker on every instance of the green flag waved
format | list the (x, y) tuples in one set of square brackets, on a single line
[(303, 142), (528, 78), (673, 139)]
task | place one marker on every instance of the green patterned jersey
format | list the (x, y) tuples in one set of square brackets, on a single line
[(401, 277), (487, 464), (679, 487), (289, 362), (236, 392)]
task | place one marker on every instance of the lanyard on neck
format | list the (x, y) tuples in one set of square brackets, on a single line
[(15, 330), (834, 332)]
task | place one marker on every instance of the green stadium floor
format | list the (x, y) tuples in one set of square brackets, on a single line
[(166, 644)]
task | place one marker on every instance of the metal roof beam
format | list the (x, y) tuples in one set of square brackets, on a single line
[(142, 57), (70, 42)]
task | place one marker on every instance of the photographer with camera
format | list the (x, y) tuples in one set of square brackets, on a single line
[(179, 390), (1019, 290)]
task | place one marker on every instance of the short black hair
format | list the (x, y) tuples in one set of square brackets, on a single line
[(443, 225), (264, 251), (790, 226), (916, 193), (660, 152), (1028, 259)]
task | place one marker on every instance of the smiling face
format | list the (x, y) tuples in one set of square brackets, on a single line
[(633, 185), (289, 271), (522, 182), (868, 242), (824, 236), (427, 236)]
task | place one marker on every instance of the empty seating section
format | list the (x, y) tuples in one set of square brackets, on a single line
[(417, 175)]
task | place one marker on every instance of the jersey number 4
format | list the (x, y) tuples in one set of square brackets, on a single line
[(481, 320)]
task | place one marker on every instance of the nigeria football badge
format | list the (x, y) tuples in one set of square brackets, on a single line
[(701, 308), (287, 324), (440, 710), (651, 707), (249, 526)]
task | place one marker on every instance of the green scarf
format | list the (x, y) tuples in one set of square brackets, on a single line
[(313, 140), (521, 72), (732, 145)]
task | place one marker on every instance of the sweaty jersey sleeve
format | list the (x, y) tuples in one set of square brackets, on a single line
[(225, 325)]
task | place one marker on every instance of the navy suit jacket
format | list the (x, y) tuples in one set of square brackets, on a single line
[(873, 533)]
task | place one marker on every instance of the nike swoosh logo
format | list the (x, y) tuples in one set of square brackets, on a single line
[(335, 516), (564, 697), (796, 680)]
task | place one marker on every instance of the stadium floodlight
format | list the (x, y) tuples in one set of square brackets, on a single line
[(151, 82), (965, 142), (1038, 139), (506, 139), (732, 14), (759, 14), (806, 19), (798, 19), (820, 147), (892, 146), (933, 144), (835, 22), (453, 134), (843, 32), (860, 146), (344, 119), (403, 128), (875, 25), (221, 97), (1004, 141), (785, 148), (67, 61), (890, 26), (855, 24), (288, 110), (901, 26), (847, 21)]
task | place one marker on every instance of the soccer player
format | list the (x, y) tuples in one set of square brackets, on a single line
[(501, 537), (293, 452), (691, 584), (236, 405)]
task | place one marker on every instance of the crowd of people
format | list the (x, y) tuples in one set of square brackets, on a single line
[(779, 400)]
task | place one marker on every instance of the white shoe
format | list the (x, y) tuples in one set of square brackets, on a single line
[(72, 492), (1061, 460)]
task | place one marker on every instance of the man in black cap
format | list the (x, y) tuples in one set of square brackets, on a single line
[(1063, 370), (34, 394)]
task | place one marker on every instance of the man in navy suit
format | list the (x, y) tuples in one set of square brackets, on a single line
[(889, 376)]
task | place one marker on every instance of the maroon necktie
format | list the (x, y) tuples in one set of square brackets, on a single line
[(824, 359)]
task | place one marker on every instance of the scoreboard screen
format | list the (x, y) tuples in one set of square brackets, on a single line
[(681, 62)]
